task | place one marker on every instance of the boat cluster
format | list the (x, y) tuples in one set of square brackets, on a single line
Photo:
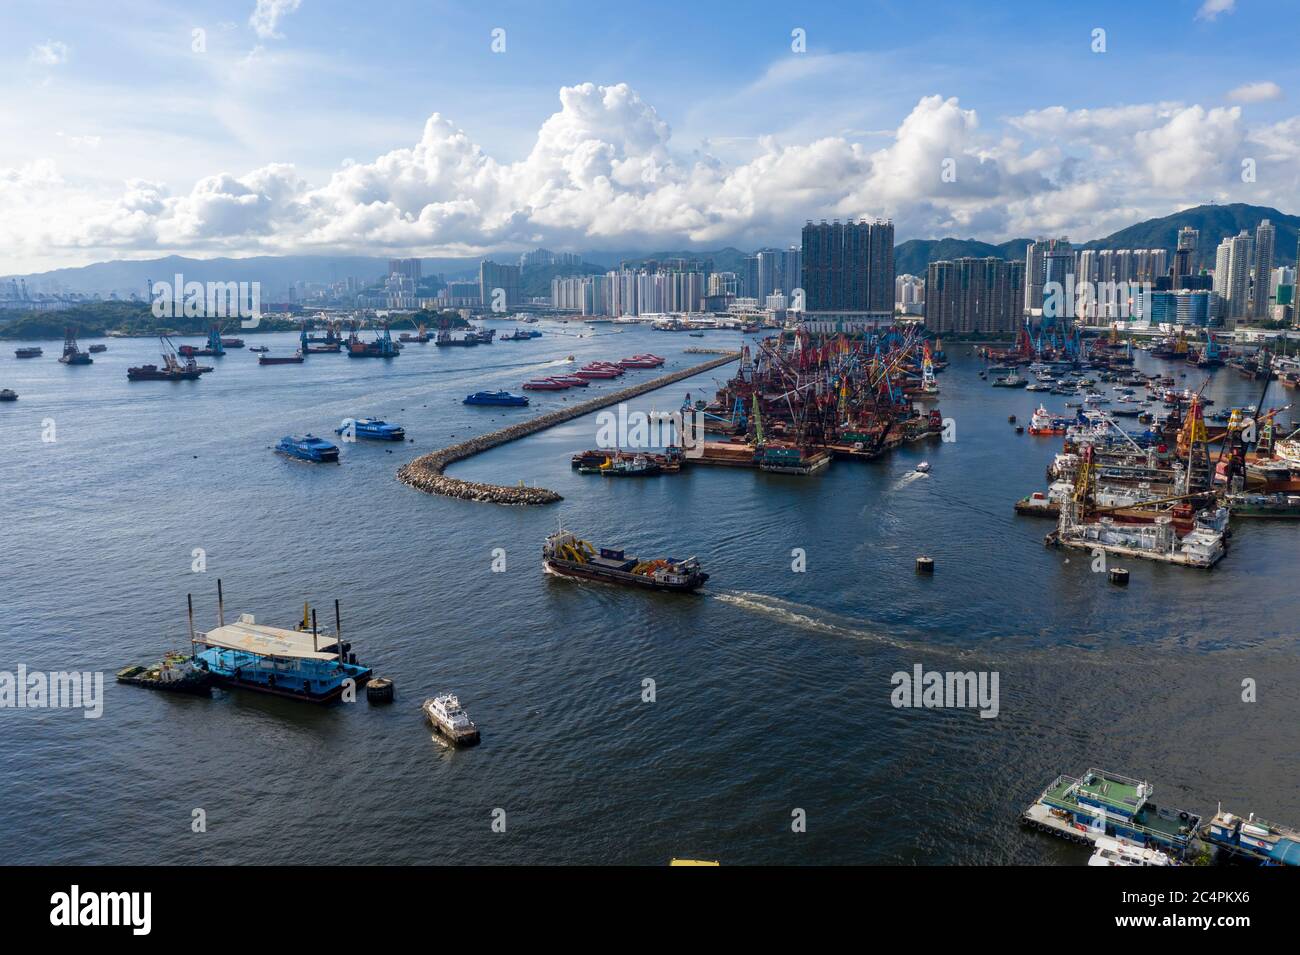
[(593, 371)]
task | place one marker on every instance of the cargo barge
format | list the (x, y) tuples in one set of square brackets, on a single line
[(567, 555)]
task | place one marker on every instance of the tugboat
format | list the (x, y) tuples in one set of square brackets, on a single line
[(175, 674), (628, 465), (308, 447), (495, 398), (566, 555), (447, 717), (372, 428), (72, 355), (30, 352)]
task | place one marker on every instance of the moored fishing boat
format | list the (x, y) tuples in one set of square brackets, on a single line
[(567, 555)]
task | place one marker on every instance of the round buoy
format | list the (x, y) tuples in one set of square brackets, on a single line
[(1118, 575), (380, 690), (925, 565)]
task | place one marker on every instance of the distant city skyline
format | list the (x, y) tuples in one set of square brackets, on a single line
[(300, 127)]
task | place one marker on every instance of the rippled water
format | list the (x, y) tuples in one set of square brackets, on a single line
[(772, 687)]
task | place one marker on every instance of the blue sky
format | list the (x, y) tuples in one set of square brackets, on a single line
[(300, 124)]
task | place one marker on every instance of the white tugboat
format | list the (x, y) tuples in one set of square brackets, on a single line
[(447, 717)]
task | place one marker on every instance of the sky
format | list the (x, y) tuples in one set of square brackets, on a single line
[(140, 128)]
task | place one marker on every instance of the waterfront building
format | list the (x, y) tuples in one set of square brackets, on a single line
[(974, 295), (848, 274)]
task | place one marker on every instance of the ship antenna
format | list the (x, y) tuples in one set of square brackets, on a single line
[(313, 631), (338, 628), (221, 605), (189, 600)]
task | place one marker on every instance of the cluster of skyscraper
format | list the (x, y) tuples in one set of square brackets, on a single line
[(1098, 286), (651, 288)]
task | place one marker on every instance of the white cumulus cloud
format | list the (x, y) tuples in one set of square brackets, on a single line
[(266, 16), (50, 53), (1256, 92)]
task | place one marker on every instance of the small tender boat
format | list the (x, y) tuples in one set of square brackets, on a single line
[(449, 719), (372, 428), (495, 398), (308, 447), (8, 394), (259, 349), (1110, 851), (923, 468)]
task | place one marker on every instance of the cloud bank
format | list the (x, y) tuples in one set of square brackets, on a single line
[(603, 172)]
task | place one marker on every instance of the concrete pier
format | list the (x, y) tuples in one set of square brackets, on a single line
[(425, 472)]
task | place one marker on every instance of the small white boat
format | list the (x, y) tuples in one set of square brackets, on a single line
[(447, 717), (923, 468), (1110, 851)]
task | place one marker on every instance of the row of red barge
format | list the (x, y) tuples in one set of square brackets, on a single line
[(593, 371)]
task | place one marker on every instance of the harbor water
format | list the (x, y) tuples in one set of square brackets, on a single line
[(771, 688)]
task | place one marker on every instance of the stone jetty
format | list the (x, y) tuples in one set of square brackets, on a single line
[(425, 472)]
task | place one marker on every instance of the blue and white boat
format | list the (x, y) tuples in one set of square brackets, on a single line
[(308, 447), (372, 428), (495, 398), (302, 664)]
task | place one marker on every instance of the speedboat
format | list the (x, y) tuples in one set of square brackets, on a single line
[(308, 447), (923, 468)]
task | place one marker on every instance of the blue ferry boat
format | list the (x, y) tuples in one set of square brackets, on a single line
[(372, 428), (495, 398), (302, 664), (308, 447)]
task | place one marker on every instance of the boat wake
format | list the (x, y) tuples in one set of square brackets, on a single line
[(814, 619), (909, 478)]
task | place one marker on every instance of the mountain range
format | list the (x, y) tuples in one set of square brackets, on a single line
[(277, 273)]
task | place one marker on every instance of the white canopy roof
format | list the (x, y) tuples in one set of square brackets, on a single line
[(267, 641)]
